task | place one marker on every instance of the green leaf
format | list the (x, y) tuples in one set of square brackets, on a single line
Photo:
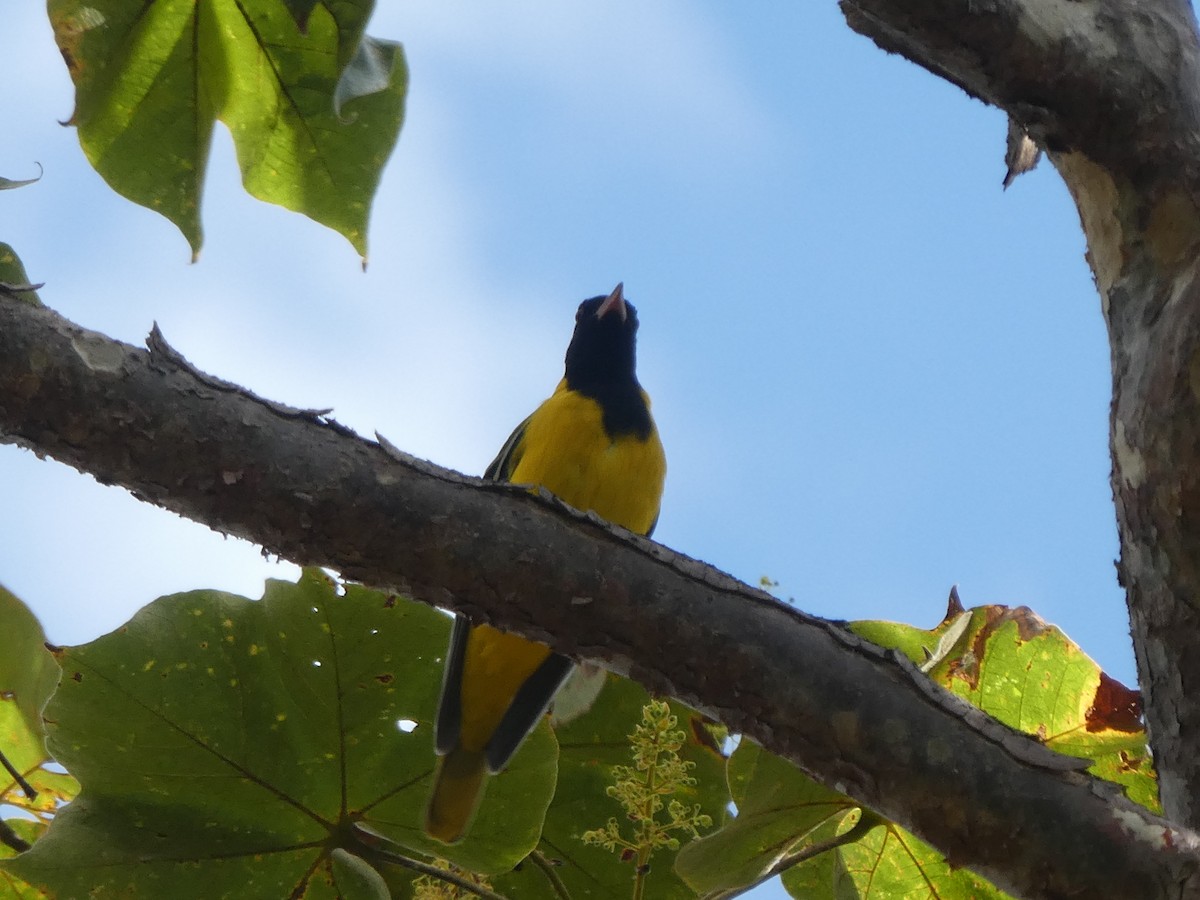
[(590, 746), (152, 78), (888, 862), (8, 184), (1028, 674), (355, 877), (301, 10), (816, 876), (779, 810), (28, 830), (1031, 676), (368, 72), (230, 747), (13, 280), (28, 675), (11, 887)]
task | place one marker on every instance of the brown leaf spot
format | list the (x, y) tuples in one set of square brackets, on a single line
[(702, 736), (966, 668), (1130, 762), (1029, 625), (1114, 708)]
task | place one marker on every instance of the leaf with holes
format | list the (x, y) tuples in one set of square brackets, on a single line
[(228, 747), (1029, 675)]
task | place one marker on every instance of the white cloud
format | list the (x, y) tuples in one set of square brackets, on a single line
[(646, 75)]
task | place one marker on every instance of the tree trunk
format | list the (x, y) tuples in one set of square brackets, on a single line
[(1111, 90)]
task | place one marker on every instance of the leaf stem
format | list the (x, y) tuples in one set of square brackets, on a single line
[(372, 846), (12, 839), (17, 777), (548, 869), (866, 822)]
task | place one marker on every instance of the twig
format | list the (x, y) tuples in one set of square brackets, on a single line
[(25, 786), (12, 839), (372, 844), (548, 869)]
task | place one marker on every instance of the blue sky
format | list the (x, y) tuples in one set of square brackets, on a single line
[(876, 374)]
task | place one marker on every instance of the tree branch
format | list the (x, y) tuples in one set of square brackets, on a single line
[(859, 718), (1111, 88)]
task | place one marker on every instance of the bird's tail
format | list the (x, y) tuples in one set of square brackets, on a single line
[(457, 788)]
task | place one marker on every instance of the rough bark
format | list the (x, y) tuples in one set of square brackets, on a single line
[(858, 718), (1111, 89)]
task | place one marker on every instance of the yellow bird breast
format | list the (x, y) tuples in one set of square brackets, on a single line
[(566, 450)]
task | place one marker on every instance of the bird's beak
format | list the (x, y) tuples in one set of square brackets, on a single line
[(614, 301)]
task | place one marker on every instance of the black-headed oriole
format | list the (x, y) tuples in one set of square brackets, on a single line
[(594, 445)]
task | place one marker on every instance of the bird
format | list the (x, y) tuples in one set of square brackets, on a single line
[(594, 445)]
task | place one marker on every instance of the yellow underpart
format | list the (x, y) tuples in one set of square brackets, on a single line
[(566, 450), (496, 666)]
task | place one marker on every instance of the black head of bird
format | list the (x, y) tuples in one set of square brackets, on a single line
[(601, 362), (603, 348)]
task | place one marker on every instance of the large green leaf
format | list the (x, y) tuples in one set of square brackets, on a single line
[(779, 811), (152, 76), (888, 862), (1031, 676), (232, 748)]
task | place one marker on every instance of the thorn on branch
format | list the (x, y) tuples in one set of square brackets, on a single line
[(954, 604), (391, 450), (157, 344)]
